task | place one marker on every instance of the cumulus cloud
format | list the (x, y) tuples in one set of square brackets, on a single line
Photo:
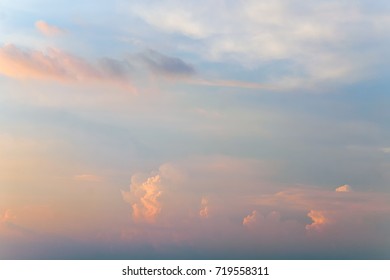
[(250, 219), (204, 208), (170, 196), (272, 221), (319, 220), (47, 29), (344, 188), (144, 199), (150, 195), (329, 212)]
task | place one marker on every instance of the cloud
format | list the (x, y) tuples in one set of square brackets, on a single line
[(177, 19), (232, 83), (7, 216), (57, 65), (54, 64), (204, 208), (144, 199), (344, 188), (386, 150), (170, 67), (47, 29), (151, 195), (166, 65), (114, 68), (250, 219), (24, 222), (317, 42), (329, 212), (319, 220)]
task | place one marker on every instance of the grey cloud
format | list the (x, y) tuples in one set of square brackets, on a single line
[(166, 65), (114, 67)]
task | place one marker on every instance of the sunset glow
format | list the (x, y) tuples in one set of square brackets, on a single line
[(194, 129)]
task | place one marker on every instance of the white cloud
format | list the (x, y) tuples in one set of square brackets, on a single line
[(320, 40)]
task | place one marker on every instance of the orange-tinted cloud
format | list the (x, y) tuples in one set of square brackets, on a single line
[(6, 216), (250, 219), (344, 188), (330, 212), (144, 199), (25, 221), (319, 220), (204, 208), (52, 64), (47, 29)]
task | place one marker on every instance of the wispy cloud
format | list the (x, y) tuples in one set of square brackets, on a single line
[(318, 51), (47, 29), (166, 65), (55, 64), (232, 83)]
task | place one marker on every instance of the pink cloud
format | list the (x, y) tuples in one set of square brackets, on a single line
[(144, 199), (334, 214), (7, 216), (250, 219), (344, 188), (319, 220), (299, 216), (204, 208), (47, 29), (56, 65)]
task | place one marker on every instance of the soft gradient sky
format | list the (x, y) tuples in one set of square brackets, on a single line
[(194, 129)]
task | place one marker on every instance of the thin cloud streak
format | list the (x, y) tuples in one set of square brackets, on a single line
[(56, 65), (232, 83), (48, 30)]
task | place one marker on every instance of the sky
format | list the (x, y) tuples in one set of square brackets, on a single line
[(194, 129)]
